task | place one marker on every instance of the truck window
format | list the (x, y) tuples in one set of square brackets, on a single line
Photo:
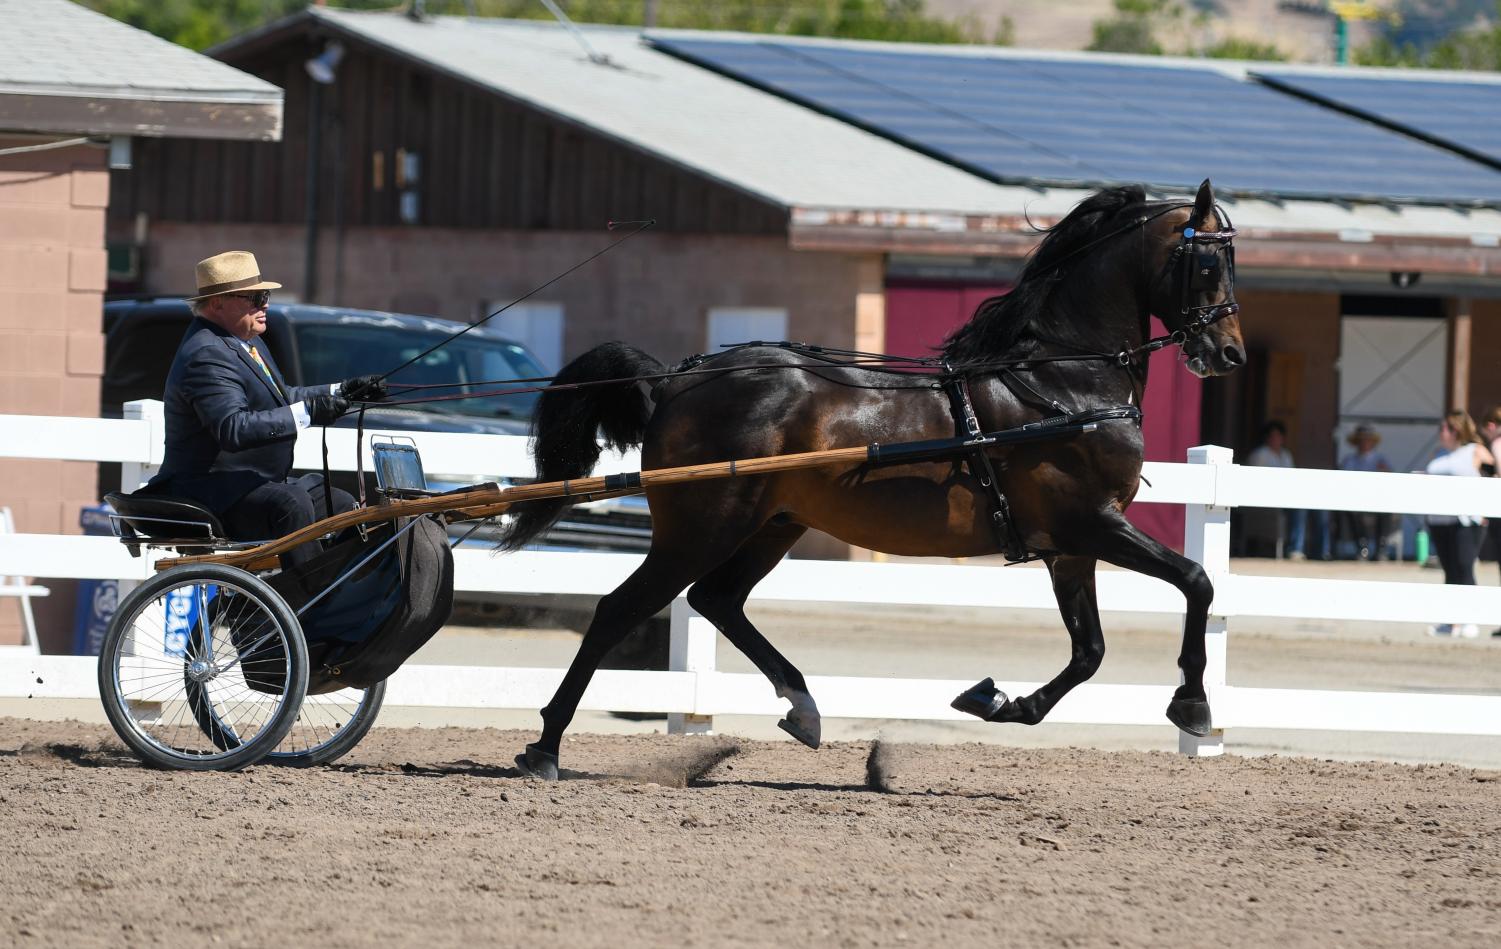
[(330, 352), (138, 354)]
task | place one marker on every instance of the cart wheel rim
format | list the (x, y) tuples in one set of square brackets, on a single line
[(321, 722), (203, 668)]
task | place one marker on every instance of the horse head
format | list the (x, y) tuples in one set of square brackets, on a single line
[(1194, 293)]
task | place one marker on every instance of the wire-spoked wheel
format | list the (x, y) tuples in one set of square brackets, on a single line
[(203, 668), (327, 726)]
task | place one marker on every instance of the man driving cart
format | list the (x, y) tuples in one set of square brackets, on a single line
[(232, 421)]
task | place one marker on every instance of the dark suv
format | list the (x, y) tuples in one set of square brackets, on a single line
[(318, 344)]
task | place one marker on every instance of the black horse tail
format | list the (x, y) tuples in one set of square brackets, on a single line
[(568, 423)]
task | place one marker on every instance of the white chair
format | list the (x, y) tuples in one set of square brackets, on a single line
[(18, 587)]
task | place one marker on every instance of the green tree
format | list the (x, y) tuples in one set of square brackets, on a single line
[(1133, 28), (897, 20), (1383, 51), (1476, 48), (199, 24), (1234, 47)]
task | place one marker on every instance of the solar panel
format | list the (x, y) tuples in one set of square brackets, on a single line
[(1456, 112), (1079, 122)]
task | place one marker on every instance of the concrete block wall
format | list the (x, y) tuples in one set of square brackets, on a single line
[(654, 291), (52, 281)]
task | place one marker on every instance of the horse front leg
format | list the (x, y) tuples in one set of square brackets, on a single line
[(1074, 587), (1122, 544)]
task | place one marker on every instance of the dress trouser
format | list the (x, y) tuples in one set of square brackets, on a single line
[(278, 508)]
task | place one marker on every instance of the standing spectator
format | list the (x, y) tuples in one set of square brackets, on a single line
[(1490, 430), (1367, 530), (1273, 453), (1457, 538)]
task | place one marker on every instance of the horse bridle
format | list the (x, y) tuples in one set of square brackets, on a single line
[(1198, 263)]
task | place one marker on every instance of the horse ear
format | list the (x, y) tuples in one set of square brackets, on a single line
[(1204, 203)]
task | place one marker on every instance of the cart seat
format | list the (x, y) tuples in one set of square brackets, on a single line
[(160, 517)]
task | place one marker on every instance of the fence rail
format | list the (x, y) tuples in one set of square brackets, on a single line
[(692, 691)]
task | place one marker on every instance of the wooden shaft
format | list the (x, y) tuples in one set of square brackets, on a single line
[(495, 500), (490, 510)]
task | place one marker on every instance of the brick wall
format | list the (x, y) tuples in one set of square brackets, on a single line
[(654, 291), (52, 274)]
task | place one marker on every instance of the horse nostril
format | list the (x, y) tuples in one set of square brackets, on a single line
[(1233, 356)]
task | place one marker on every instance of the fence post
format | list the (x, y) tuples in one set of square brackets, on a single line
[(1206, 540), (691, 647), (133, 474)]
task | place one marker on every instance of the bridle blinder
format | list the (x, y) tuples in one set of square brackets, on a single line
[(1198, 263)]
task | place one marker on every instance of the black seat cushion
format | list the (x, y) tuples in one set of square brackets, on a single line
[(160, 517)]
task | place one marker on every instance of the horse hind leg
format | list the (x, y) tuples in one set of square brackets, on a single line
[(1074, 587), (650, 588), (720, 596)]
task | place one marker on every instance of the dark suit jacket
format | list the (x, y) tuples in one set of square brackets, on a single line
[(229, 428)]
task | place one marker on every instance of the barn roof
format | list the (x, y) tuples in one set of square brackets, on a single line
[(64, 68), (846, 188)]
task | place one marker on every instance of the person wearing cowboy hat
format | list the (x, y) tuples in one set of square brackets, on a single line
[(1367, 530), (231, 420)]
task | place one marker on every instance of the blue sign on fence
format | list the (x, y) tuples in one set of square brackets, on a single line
[(97, 599), (182, 613)]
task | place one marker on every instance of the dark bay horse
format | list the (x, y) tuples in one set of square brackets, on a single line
[(1087, 290)]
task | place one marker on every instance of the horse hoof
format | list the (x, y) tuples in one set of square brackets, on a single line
[(536, 763), (1191, 715), (982, 700), (807, 732)]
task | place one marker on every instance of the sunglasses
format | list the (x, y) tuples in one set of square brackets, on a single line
[(257, 299)]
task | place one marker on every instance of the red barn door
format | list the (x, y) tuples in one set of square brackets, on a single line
[(919, 314)]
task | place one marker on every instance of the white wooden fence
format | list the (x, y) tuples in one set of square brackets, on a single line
[(692, 691)]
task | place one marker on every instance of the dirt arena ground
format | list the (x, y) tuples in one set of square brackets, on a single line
[(428, 837)]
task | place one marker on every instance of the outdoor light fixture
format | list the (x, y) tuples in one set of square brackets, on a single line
[(322, 66)]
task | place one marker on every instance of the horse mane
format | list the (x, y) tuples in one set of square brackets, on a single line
[(1000, 321)]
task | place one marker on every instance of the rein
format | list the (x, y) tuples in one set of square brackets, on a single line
[(874, 361), (1193, 270)]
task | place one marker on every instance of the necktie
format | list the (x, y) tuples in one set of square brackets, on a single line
[(255, 354)]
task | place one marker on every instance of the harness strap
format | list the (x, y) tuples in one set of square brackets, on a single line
[(1014, 382), (359, 462), (328, 491), (967, 428)]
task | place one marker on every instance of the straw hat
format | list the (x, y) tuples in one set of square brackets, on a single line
[(1363, 432), (230, 272)]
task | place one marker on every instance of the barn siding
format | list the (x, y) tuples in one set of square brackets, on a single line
[(486, 162)]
